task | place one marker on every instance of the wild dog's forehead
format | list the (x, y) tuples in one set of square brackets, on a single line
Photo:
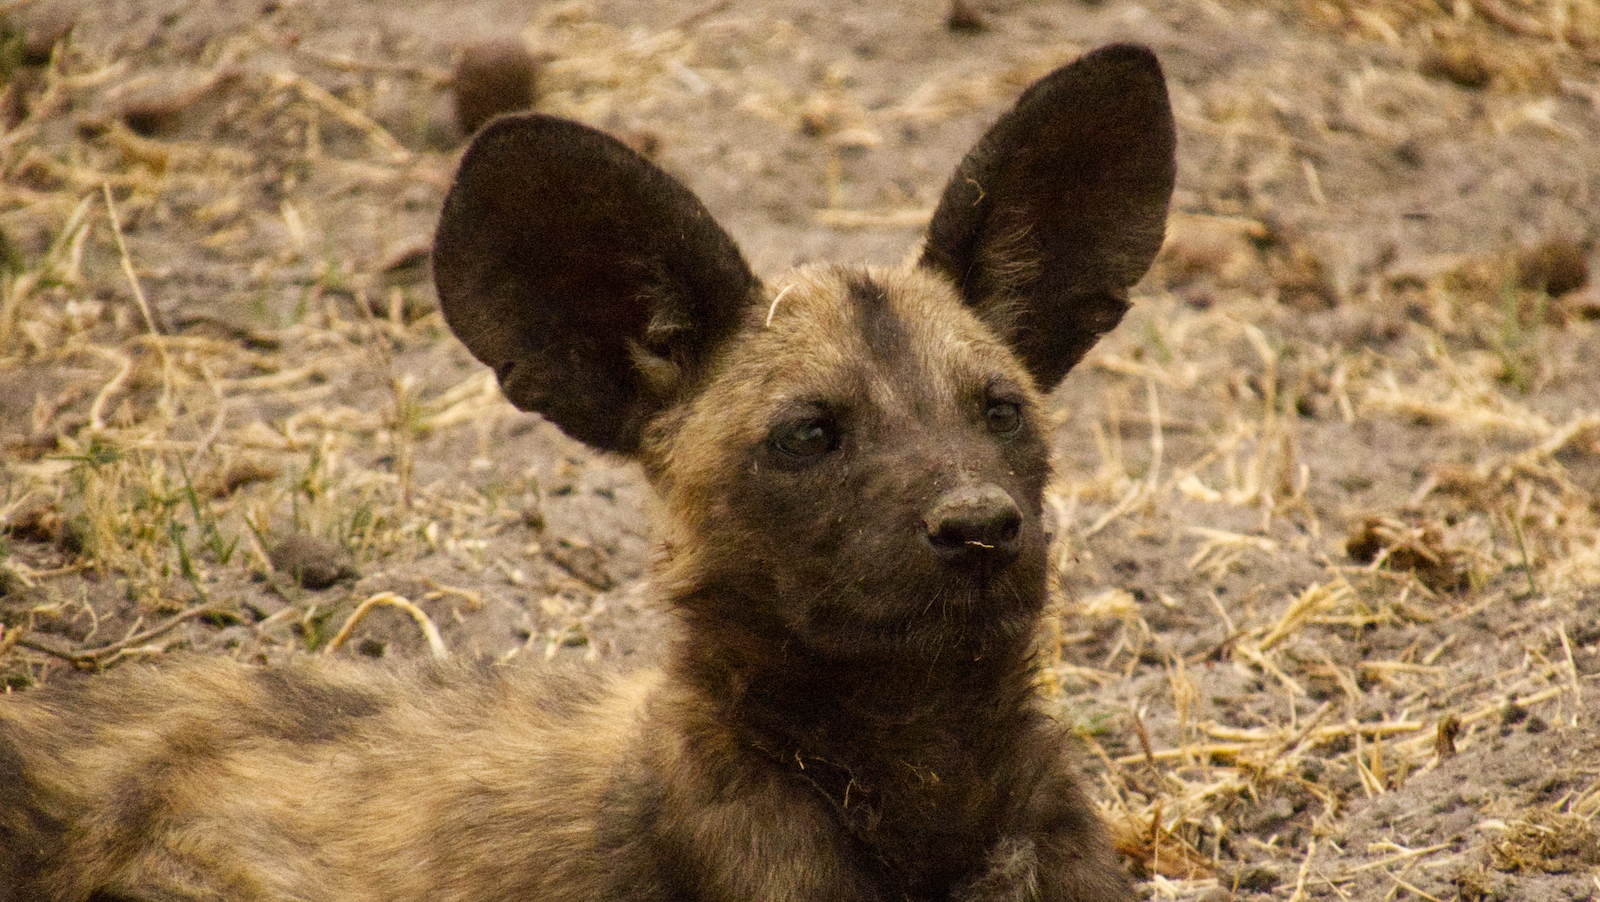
[(826, 322), (889, 346)]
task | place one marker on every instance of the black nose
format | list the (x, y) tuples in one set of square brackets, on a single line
[(975, 524)]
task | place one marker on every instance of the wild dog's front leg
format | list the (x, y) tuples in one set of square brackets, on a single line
[(767, 847), (1020, 871), (696, 814), (1060, 854), (1012, 875), (740, 844)]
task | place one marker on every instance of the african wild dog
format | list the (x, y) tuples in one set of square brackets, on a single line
[(852, 462)]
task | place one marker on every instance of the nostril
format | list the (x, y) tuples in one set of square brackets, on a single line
[(1009, 525), (980, 534), (975, 523)]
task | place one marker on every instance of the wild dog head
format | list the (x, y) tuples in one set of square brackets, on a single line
[(852, 458)]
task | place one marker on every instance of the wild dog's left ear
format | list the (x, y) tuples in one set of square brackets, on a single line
[(1061, 206)]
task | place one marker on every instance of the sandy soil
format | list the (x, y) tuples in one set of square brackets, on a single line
[(1329, 607)]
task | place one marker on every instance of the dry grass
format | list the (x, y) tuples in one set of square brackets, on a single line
[(1512, 538), (1367, 637)]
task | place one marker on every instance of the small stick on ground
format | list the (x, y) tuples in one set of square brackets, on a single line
[(127, 265), (99, 655), (435, 642)]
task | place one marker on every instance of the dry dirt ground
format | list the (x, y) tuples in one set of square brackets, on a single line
[(1329, 572)]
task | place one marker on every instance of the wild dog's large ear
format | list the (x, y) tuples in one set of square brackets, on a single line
[(563, 260), (1060, 208)]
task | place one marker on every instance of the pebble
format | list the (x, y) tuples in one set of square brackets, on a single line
[(311, 562), (493, 77)]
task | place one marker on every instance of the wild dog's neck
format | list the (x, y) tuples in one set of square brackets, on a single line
[(921, 756), (768, 681)]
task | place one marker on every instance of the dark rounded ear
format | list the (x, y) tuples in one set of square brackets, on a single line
[(1061, 206), (566, 262)]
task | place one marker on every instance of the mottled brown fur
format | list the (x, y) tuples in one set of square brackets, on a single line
[(852, 463)]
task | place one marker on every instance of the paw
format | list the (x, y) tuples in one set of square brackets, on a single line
[(1011, 874)]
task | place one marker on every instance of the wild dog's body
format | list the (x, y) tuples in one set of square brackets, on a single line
[(852, 463), (328, 782)]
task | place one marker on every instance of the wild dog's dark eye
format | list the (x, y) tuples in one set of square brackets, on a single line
[(805, 439), (1003, 417)]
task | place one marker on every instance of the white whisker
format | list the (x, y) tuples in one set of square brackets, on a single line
[(774, 308)]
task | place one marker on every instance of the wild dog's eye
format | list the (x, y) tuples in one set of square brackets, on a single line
[(805, 439), (1003, 417)]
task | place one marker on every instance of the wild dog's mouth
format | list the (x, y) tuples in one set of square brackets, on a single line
[(975, 617), (975, 592)]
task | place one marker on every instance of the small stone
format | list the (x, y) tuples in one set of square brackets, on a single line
[(235, 475), (1251, 879), (1457, 62), (1555, 267), (311, 562), (963, 19), (582, 561), (165, 110), (153, 117), (44, 30), (493, 77), (642, 142), (1444, 742), (1304, 282)]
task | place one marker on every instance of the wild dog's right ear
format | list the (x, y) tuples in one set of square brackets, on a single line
[(563, 258), (1061, 206)]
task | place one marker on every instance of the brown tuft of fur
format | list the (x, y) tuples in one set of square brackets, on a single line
[(852, 462)]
